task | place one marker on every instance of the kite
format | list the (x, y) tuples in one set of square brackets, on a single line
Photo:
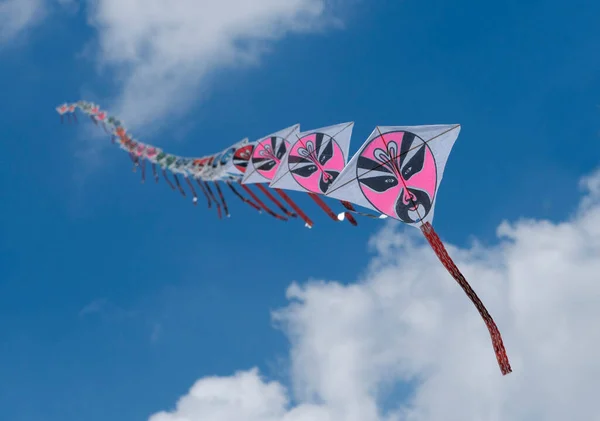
[(395, 173)]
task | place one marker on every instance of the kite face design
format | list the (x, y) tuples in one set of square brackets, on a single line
[(241, 157), (315, 161), (227, 156), (216, 161), (397, 174), (267, 155)]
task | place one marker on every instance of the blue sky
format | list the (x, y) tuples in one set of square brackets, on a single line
[(115, 297)]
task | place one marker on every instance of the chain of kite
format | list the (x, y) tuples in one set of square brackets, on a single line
[(442, 254)]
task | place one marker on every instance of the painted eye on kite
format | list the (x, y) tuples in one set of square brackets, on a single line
[(415, 164), (381, 183), (306, 171), (327, 153), (281, 151), (266, 165)]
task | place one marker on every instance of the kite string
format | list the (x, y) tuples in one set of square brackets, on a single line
[(352, 209), (442, 254)]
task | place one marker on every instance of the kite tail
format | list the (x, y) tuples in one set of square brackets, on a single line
[(307, 221), (191, 186), (62, 119), (204, 191), (261, 204), (277, 202), (143, 170), (242, 198), (153, 171), (223, 202), (179, 185), (212, 196), (105, 129), (164, 173), (94, 120), (133, 161), (442, 254), (112, 139), (74, 117), (330, 212)]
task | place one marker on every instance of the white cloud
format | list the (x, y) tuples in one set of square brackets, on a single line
[(16, 16), (163, 49), (408, 321)]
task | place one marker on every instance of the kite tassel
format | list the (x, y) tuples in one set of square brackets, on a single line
[(350, 218), (143, 171), (164, 173), (439, 249), (105, 129), (133, 161), (330, 212), (261, 204), (242, 198), (212, 196), (153, 171), (179, 185), (74, 118), (277, 202), (199, 182), (223, 202), (308, 223), (191, 186)]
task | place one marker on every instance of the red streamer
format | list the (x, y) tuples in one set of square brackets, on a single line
[(439, 249)]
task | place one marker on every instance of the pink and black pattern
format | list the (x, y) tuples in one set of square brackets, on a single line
[(315, 161), (241, 157), (267, 155), (397, 174)]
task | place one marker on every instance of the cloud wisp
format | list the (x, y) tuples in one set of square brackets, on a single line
[(17, 16), (162, 51)]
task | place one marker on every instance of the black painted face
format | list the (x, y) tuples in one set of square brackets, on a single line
[(315, 161), (398, 181), (267, 155)]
